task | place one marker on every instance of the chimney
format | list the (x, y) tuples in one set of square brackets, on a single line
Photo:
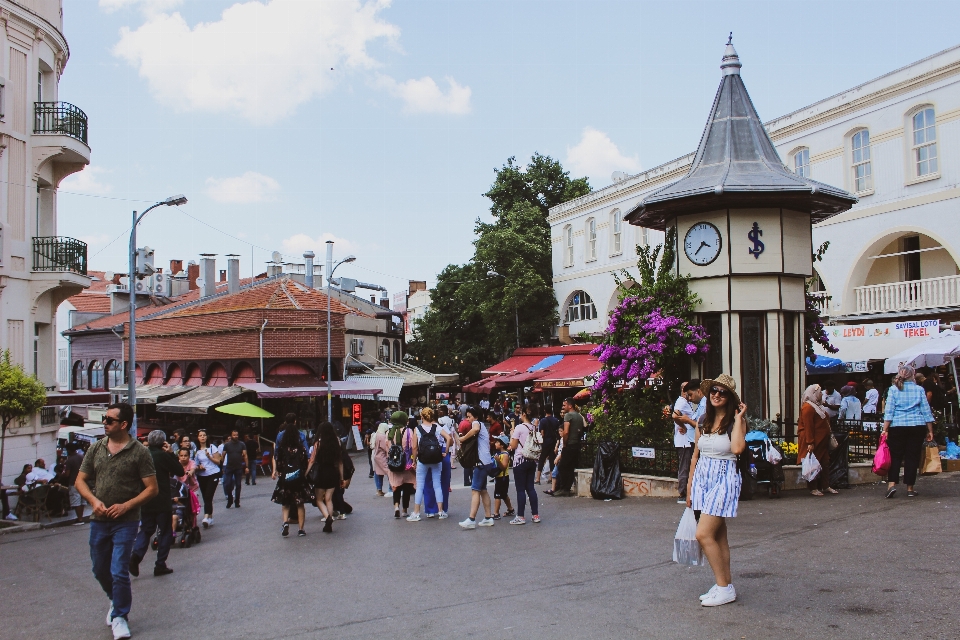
[(116, 278), (233, 273), (193, 272), (417, 285), (274, 269), (373, 299), (384, 300), (208, 271), (308, 257), (176, 266)]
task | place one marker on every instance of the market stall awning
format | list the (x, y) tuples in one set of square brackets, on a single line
[(153, 393), (573, 370), (515, 363), (860, 344), (337, 388), (486, 385), (932, 352), (390, 387), (199, 401), (61, 398), (516, 379)]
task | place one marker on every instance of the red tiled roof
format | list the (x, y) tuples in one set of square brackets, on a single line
[(90, 302), (98, 282)]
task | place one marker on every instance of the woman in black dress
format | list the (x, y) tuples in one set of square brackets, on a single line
[(290, 472), (326, 471)]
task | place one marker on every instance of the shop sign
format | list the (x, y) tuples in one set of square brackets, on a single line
[(357, 414), (855, 367), (914, 329), (644, 452), (561, 384)]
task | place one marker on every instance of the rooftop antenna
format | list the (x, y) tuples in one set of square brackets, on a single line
[(730, 39)]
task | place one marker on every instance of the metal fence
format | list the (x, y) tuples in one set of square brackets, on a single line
[(58, 253), (60, 117), (664, 463)]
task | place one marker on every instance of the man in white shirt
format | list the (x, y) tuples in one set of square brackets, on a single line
[(485, 404), (831, 399), (40, 474), (872, 397), (687, 411)]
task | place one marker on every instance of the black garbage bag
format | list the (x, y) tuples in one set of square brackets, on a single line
[(840, 462), (607, 481)]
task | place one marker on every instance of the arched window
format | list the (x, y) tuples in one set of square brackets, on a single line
[(592, 239), (801, 162), (925, 142), (79, 381), (114, 374), (96, 375), (216, 376), (396, 351), (568, 246), (862, 172), (385, 351), (581, 307), (616, 236)]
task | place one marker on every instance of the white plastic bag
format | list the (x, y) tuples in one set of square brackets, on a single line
[(773, 455), (686, 549), (810, 468)]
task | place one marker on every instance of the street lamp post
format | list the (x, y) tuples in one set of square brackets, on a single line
[(516, 315), (172, 201), (330, 269)]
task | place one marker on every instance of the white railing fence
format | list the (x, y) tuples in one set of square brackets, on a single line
[(902, 296)]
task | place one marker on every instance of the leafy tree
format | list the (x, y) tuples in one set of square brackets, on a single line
[(479, 308), (811, 317), (652, 334), (20, 396)]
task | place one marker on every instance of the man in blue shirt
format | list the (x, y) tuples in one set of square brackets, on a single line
[(687, 412)]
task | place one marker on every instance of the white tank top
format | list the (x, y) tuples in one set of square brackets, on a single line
[(716, 445)]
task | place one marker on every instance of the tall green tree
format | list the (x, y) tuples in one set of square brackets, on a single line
[(21, 396), (505, 292)]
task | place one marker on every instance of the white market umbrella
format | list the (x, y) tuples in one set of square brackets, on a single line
[(932, 352)]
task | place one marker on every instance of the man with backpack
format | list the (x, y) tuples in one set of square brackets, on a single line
[(428, 448)]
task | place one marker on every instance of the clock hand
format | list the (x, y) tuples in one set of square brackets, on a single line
[(702, 245)]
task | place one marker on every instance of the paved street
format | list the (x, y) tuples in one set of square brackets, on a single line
[(852, 566)]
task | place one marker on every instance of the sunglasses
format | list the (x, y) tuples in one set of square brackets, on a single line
[(109, 420), (720, 391)]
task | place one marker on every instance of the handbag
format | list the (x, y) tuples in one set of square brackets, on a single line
[(833, 443), (881, 459), (467, 454)]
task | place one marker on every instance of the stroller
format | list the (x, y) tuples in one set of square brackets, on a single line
[(766, 473), (186, 507)]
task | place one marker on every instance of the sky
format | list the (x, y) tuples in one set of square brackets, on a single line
[(379, 124)]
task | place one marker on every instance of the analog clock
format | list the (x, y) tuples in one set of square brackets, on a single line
[(702, 243)]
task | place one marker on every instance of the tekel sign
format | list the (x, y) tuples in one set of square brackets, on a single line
[(357, 414)]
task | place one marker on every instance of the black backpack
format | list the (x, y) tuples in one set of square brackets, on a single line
[(428, 450), (396, 458)]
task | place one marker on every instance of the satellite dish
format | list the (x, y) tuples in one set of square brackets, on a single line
[(276, 256), (200, 282), (124, 281), (108, 276)]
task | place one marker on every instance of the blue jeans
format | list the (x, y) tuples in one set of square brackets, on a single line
[(422, 470), (150, 522), (232, 481), (378, 481), (111, 544), (253, 472), (523, 475), (429, 497)]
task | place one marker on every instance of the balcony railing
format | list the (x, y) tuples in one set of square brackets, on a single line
[(821, 301), (60, 254), (60, 117), (929, 293)]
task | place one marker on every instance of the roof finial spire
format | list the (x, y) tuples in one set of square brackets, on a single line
[(730, 65)]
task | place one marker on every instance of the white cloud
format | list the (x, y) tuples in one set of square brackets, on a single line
[(87, 181), (148, 6), (425, 96), (243, 189), (596, 156), (259, 60), (295, 245)]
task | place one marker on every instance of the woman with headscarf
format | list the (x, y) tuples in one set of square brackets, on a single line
[(907, 421), (813, 436), (401, 481), (380, 456), (850, 408)]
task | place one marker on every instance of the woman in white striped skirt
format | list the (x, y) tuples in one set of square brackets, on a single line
[(713, 489)]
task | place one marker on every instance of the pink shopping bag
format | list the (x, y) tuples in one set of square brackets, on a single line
[(881, 461)]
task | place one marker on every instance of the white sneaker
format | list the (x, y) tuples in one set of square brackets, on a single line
[(10, 516), (709, 593), (120, 628), (723, 595), (110, 615), (442, 515), (518, 520), (413, 517), (486, 522), (431, 515), (469, 524)]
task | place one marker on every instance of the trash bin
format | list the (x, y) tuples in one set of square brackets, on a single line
[(840, 462), (607, 482)]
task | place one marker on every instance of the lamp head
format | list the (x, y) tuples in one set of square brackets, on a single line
[(491, 272), (349, 259), (176, 200)]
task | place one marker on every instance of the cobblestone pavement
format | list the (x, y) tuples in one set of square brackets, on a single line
[(848, 566)]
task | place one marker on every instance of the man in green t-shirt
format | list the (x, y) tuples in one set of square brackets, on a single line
[(571, 433), (122, 471)]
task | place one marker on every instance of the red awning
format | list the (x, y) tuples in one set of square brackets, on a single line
[(570, 371), (514, 364), (517, 379), (480, 386)]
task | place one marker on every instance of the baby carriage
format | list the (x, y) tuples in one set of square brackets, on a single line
[(186, 507), (763, 471)]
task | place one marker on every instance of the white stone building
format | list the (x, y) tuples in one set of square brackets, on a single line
[(42, 141), (893, 141)]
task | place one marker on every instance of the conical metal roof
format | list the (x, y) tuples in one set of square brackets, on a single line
[(737, 165)]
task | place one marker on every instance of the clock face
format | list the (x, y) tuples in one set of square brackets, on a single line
[(702, 243)]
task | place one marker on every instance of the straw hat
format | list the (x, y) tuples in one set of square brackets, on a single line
[(722, 380)]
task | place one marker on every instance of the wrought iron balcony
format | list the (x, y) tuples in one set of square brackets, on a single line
[(62, 118), (56, 253), (929, 293)]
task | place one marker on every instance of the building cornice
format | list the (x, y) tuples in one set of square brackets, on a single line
[(40, 28)]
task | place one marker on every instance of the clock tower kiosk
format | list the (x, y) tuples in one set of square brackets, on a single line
[(743, 226)]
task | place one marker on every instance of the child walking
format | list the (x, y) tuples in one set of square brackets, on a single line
[(501, 482)]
